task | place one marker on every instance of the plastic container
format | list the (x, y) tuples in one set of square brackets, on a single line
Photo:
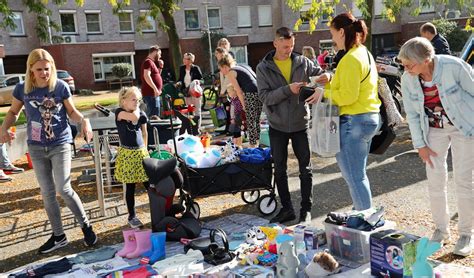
[(351, 244), (264, 137)]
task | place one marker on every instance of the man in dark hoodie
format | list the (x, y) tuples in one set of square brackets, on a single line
[(280, 75), (440, 44)]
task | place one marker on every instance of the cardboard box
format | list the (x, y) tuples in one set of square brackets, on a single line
[(351, 244), (392, 253)]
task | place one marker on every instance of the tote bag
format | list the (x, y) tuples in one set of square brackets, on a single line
[(324, 132), (218, 116)]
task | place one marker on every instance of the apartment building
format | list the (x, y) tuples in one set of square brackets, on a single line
[(95, 38)]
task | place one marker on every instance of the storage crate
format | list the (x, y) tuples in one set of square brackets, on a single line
[(351, 244)]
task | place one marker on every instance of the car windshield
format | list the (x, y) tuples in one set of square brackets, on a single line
[(63, 74)]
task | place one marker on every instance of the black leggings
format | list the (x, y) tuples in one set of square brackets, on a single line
[(130, 198)]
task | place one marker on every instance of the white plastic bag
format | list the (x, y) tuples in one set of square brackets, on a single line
[(324, 132)]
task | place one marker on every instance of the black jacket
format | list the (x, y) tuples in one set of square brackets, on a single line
[(440, 45), (195, 73)]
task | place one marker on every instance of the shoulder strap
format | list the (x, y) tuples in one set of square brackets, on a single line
[(370, 67)]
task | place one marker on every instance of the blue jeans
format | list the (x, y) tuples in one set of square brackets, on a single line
[(279, 144), (4, 160), (357, 132), (52, 167), (153, 105)]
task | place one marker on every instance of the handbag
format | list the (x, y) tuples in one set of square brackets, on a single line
[(324, 132), (215, 253), (218, 116), (385, 137)]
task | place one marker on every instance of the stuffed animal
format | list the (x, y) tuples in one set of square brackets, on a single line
[(322, 264), (287, 263), (424, 249), (230, 152)]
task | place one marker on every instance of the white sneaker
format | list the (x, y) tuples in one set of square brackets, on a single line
[(463, 246), (439, 236)]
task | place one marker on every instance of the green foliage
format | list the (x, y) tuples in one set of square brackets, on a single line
[(455, 36), (121, 70)]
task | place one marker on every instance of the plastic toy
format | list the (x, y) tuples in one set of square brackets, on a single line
[(287, 263), (424, 249)]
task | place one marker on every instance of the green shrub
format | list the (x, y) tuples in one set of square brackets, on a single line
[(454, 34), (121, 70)]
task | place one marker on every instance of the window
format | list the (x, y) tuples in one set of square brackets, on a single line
[(326, 16), (264, 15), (191, 18), (214, 16), (240, 54), (355, 11), (325, 45), (125, 21), (68, 22), (304, 10), (103, 63), (243, 16), (427, 9), (19, 29), (149, 23), (93, 23), (378, 7)]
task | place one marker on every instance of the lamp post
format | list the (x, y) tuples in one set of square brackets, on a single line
[(209, 36)]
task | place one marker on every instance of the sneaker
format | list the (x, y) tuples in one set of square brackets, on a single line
[(90, 238), (135, 223), (11, 169), (4, 177), (463, 247), (53, 243), (439, 236)]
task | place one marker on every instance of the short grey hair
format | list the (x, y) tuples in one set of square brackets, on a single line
[(417, 49)]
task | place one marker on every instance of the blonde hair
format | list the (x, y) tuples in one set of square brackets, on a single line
[(36, 55), (190, 56), (309, 53), (125, 92), (227, 60), (223, 42)]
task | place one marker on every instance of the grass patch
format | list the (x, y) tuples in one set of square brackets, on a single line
[(89, 104), (21, 118)]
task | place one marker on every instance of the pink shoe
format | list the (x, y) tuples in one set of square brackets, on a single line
[(130, 243), (143, 243)]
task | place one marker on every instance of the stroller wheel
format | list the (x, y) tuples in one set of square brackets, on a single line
[(267, 204), (250, 197), (194, 209)]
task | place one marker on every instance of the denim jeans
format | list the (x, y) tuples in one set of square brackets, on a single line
[(299, 141), (357, 132), (153, 105), (440, 140), (52, 167), (4, 160)]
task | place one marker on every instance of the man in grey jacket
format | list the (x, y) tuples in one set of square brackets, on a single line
[(280, 76)]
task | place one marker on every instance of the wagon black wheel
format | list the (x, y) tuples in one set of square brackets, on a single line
[(250, 197), (267, 204), (194, 209)]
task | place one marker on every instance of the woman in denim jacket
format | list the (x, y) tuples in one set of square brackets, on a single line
[(438, 95)]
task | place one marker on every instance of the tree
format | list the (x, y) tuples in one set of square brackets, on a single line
[(319, 8), (39, 7)]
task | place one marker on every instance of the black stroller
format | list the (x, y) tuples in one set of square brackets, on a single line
[(247, 179)]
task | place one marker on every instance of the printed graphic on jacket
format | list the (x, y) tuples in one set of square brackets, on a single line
[(47, 108)]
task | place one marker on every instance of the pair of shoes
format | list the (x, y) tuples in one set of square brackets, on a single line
[(439, 236), (11, 169), (135, 222), (4, 177), (90, 238), (53, 243), (305, 217), (284, 215), (463, 247)]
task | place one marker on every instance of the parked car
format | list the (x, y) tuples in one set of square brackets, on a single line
[(66, 77), (7, 84)]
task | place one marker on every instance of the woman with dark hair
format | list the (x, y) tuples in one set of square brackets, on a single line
[(354, 89)]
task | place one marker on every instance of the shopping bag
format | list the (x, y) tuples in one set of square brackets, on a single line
[(386, 135), (218, 116), (324, 132)]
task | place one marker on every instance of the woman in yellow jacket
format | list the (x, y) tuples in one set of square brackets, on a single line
[(354, 89)]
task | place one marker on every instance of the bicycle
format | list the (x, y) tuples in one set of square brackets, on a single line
[(210, 94)]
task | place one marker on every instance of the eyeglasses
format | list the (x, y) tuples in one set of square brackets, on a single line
[(135, 99), (409, 67)]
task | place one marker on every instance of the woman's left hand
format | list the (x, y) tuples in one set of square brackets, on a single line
[(318, 92), (87, 130)]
